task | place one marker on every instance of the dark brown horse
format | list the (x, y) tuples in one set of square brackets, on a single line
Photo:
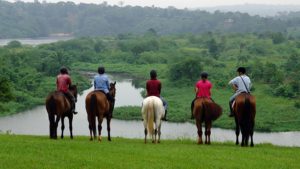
[(97, 105), (244, 112), (205, 111), (59, 107)]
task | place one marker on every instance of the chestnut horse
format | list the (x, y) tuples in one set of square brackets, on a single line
[(152, 111), (58, 107), (244, 112), (205, 110), (97, 105)]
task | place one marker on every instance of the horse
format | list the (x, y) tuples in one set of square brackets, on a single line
[(205, 110), (58, 107), (97, 105), (152, 112), (244, 112)]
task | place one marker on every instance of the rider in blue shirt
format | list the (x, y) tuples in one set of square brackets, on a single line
[(101, 83)]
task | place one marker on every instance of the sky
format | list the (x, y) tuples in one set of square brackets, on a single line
[(181, 3)]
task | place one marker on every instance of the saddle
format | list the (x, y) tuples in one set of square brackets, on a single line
[(233, 103)]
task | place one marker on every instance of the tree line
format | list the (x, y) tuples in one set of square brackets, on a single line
[(27, 73), (20, 19)]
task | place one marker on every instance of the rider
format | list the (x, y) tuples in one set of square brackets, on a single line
[(202, 89), (153, 87), (63, 82), (240, 84), (101, 82)]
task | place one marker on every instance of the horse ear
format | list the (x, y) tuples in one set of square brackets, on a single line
[(115, 83)]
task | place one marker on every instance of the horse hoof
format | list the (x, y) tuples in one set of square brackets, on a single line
[(158, 141), (153, 142), (252, 145), (109, 139)]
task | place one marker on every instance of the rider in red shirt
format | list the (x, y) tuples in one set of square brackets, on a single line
[(202, 89), (63, 82), (153, 87)]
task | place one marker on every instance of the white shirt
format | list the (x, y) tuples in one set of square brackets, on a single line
[(237, 81)]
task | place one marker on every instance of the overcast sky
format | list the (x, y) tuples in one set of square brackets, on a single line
[(182, 3)]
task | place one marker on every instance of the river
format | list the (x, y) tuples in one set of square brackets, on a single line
[(35, 122), (35, 41)]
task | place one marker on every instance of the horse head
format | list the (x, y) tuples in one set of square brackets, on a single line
[(112, 89)]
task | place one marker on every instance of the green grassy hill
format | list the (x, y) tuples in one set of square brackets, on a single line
[(41, 152)]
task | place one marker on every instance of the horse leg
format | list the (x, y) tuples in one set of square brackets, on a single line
[(199, 127), (251, 135), (51, 125), (100, 119), (207, 132), (145, 131), (56, 125), (62, 127), (155, 133), (159, 132), (71, 126), (237, 131), (108, 127)]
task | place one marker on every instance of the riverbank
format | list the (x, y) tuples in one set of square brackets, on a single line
[(40, 152)]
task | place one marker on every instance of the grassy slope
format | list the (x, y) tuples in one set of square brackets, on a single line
[(41, 152)]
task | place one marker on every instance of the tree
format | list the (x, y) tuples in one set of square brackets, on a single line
[(186, 71)]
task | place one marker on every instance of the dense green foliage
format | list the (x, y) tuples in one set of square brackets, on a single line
[(273, 68), (41, 152), (21, 19)]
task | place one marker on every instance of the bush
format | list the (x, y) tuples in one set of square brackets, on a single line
[(188, 70)]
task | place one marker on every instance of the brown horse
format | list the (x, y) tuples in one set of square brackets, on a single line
[(58, 107), (244, 112), (97, 105), (205, 111)]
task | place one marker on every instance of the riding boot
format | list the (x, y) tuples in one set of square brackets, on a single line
[(165, 116), (73, 107), (231, 111)]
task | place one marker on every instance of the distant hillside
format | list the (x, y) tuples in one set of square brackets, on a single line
[(256, 9), (19, 20)]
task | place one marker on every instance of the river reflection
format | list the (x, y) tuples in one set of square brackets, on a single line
[(35, 122)]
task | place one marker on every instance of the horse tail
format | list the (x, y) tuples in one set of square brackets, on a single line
[(246, 116), (216, 111), (150, 116), (51, 106), (93, 109)]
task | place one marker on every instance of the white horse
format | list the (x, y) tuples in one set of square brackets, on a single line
[(152, 111)]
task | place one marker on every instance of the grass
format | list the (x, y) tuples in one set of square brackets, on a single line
[(40, 152)]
